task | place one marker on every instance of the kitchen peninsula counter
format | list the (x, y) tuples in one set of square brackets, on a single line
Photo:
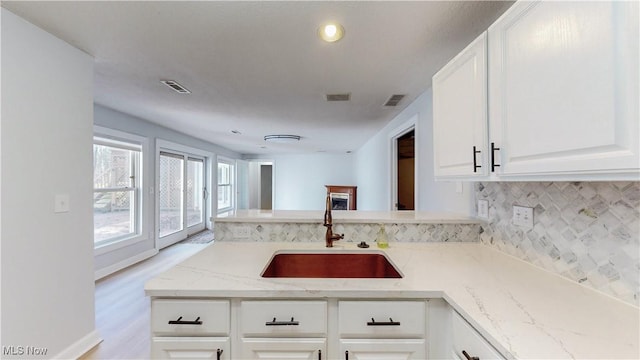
[(343, 216), (523, 311)]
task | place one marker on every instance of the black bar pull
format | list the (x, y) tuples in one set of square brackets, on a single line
[(346, 355), (282, 323), (219, 354), (475, 161), (319, 354), (493, 157), (179, 321), (373, 322), (468, 357)]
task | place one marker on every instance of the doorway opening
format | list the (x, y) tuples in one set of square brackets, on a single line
[(256, 184), (403, 166), (266, 185), (405, 145)]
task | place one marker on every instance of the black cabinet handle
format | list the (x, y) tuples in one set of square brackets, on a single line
[(219, 354), (493, 157), (319, 354), (467, 357), (346, 355), (282, 323), (179, 321), (373, 322), (475, 162)]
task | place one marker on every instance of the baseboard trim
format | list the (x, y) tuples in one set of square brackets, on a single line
[(99, 274), (80, 347)]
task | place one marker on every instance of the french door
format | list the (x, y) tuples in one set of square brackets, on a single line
[(181, 196)]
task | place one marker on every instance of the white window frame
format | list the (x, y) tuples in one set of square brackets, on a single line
[(142, 183), (232, 183)]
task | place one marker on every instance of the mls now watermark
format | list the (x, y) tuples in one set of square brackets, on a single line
[(24, 351)]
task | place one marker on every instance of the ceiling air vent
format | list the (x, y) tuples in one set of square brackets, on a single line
[(338, 97), (175, 86), (394, 100)]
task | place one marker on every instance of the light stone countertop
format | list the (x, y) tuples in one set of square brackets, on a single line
[(342, 216), (524, 311)]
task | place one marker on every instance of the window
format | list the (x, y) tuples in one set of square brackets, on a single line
[(116, 190), (225, 186)]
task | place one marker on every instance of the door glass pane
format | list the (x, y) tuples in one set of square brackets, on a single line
[(112, 215), (170, 194), (195, 213)]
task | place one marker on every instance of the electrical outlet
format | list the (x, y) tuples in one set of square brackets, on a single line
[(241, 232), (483, 209), (523, 216)]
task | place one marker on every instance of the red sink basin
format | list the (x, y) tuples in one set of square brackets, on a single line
[(330, 265)]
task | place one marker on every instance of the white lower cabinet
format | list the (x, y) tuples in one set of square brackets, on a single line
[(468, 343), (282, 329), (288, 348), (187, 348), (388, 349), (223, 329), (382, 329), (190, 329)]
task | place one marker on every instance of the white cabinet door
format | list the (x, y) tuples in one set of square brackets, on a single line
[(186, 348), (288, 348), (466, 339), (563, 88), (388, 349), (460, 114)]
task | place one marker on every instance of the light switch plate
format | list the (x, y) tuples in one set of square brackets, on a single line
[(523, 216), (61, 203), (483, 209)]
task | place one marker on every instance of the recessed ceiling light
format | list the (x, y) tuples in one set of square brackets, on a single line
[(282, 138), (331, 32)]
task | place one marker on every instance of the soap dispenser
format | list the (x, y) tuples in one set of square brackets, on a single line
[(382, 240)]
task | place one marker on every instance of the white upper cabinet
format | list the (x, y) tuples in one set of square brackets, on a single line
[(563, 88), (460, 113), (563, 96)]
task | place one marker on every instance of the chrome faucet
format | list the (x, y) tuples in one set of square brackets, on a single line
[(330, 237)]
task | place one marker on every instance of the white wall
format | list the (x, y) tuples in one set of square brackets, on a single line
[(47, 257), (113, 260), (373, 167), (300, 179)]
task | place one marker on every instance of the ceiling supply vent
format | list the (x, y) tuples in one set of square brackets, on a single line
[(175, 86), (338, 97), (394, 100)]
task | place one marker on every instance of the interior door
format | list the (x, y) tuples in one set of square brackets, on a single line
[(181, 197)]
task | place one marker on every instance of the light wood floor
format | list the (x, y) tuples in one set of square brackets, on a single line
[(123, 310)]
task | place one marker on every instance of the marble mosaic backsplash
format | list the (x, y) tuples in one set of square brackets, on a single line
[(588, 232), (353, 232)]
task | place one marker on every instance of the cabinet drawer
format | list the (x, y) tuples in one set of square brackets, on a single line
[(283, 318), (381, 319), (466, 338), (190, 317)]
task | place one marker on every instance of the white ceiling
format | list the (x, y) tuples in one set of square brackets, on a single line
[(259, 67)]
